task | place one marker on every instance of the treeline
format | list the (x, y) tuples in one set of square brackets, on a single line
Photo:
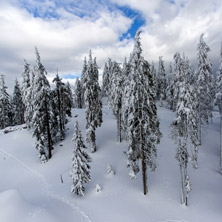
[(132, 90)]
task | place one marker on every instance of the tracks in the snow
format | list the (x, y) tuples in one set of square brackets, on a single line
[(46, 187)]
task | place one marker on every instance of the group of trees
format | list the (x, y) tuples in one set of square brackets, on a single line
[(132, 90), (44, 110)]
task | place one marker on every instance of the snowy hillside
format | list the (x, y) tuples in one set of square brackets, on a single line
[(31, 191)]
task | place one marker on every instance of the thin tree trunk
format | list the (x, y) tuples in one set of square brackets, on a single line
[(182, 185), (119, 139), (185, 190), (48, 133), (220, 143), (144, 169)]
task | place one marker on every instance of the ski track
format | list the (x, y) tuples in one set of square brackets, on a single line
[(46, 187), (167, 220)]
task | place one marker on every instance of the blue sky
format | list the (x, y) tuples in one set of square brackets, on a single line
[(65, 30)]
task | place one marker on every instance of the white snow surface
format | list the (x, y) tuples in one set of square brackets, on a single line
[(31, 191)]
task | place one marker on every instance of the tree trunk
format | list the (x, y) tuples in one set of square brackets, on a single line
[(144, 169), (93, 141), (48, 133), (199, 125), (220, 144), (182, 185), (119, 139)]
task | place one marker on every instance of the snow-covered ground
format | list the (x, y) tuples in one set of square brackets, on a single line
[(33, 192)]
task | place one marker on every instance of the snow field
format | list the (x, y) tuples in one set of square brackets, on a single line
[(36, 192)]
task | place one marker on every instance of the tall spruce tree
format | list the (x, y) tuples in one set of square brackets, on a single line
[(42, 116), (140, 110), (170, 87), (18, 105), (115, 96), (83, 80), (204, 81), (78, 94), (93, 103), (185, 130), (218, 102), (154, 76), (27, 87), (5, 105), (68, 99), (80, 163), (161, 89), (105, 84), (59, 98)]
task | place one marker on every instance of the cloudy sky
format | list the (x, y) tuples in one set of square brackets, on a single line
[(65, 30)]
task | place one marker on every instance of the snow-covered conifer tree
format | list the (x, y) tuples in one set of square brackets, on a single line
[(83, 80), (5, 105), (218, 102), (78, 94), (18, 105), (185, 132), (115, 96), (161, 88), (59, 99), (42, 115), (204, 82), (153, 72), (93, 103), (105, 83), (68, 99), (27, 94), (80, 164), (170, 87), (140, 110)]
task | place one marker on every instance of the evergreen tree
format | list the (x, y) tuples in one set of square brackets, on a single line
[(105, 84), (27, 87), (204, 81), (60, 106), (185, 132), (42, 116), (68, 99), (153, 72), (83, 80), (161, 90), (170, 87), (218, 101), (5, 105), (115, 96), (141, 113), (18, 105), (80, 164), (178, 78), (78, 94), (93, 103)]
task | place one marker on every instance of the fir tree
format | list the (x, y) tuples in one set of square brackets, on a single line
[(218, 101), (78, 94), (27, 87), (140, 110), (204, 81), (60, 106), (18, 105), (161, 90), (115, 96), (68, 99), (42, 116), (170, 87), (82, 81), (80, 164), (5, 105), (105, 84), (93, 103), (185, 132), (153, 73)]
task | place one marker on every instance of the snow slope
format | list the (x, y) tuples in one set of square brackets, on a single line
[(31, 191)]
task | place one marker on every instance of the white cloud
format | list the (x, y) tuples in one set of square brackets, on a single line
[(62, 42)]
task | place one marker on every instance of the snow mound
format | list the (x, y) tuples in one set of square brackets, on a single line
[(14, 207)]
